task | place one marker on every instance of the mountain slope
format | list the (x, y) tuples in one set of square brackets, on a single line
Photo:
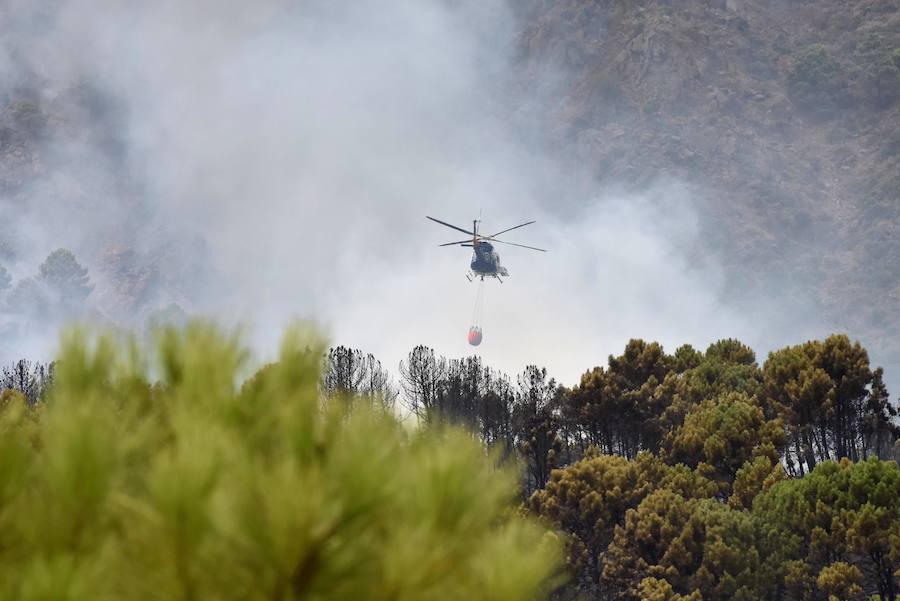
[(785, 116)]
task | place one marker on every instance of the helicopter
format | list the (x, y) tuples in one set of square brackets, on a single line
[(485, 260)]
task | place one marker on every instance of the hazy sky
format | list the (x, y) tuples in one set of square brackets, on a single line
[(301, 148)]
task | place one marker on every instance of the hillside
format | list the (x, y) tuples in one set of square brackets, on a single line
[(784, 116)]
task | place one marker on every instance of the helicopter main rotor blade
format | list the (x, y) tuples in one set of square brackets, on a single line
[(520, 245), (469, 240), (511, 229), (450, 226)]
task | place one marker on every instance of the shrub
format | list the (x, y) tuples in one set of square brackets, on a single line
[(815, 76)]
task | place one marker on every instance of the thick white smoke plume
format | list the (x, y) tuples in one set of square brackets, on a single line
[(276, 160)]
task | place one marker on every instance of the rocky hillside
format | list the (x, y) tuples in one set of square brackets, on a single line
[(784, 115)]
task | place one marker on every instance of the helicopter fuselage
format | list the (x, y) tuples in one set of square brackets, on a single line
[(486, 261)]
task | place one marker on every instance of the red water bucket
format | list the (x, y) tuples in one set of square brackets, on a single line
[(474, 335)]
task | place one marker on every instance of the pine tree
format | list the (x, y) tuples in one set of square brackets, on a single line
[(65, 280), (187, 487)]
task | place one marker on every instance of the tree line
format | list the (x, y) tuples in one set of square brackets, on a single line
[(30, 379), (691, 475), (697, 474), (817, 401)]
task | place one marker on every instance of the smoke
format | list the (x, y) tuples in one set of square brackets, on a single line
[(266, 161)]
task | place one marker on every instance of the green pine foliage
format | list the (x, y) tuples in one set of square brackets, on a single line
[(161, 476), (844, 512)]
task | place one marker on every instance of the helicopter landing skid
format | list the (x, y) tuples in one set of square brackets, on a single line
[(472, 276)]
